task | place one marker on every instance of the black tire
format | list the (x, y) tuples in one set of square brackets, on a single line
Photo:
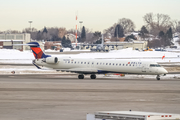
[(80, 76), (93, 76)]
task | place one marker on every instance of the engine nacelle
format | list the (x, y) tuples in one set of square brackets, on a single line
[(51, 60)]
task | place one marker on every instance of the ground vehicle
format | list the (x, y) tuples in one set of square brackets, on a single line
[(148, 49), (131, 115)]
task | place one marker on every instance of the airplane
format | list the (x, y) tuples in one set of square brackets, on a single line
[(95, 66)]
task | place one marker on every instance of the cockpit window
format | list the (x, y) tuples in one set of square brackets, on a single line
[(154, 65)]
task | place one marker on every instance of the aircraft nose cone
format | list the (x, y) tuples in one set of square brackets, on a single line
[(165, 71)]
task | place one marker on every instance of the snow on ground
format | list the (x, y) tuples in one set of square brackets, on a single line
[(128, 53), (15, 54), (26, 57), (176, 42), (66, 50)]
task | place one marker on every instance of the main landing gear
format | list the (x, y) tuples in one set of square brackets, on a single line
[(158, 77), (81, 76), (93, 76)]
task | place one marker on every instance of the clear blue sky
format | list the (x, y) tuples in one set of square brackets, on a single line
[(95, 14)]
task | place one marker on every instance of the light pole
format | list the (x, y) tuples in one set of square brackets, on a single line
[(30, 25), (80, 26), (30, 28)]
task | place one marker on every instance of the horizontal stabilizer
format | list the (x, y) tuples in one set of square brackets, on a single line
[(24, 44), (31, 44)]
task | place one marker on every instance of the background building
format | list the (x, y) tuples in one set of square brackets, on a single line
[(7, 41)]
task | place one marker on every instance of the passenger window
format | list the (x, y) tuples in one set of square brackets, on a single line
[(106, 63), (119, 64), (116, 64), (75, 62), (72, 62), (109, 63), (92, 63), (84, 62), (88, 62), (123, 64), (126, 64), (81, 62), (69, 62), (97, 63)]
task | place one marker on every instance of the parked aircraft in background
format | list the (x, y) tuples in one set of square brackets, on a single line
[(95, 66)]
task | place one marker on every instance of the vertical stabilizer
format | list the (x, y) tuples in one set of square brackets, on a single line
[(38, 53)]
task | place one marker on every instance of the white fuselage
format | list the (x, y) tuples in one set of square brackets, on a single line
[(100, 66)]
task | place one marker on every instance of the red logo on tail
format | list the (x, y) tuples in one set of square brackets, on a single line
[(37, 52)]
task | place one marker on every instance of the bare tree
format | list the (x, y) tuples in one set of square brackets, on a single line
[(127, 25), (157, 22), (110, 31), (89, 36), (96, 35), (53, 33), (175, 26), (62, 32)]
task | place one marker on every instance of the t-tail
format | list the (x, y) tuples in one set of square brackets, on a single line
[(38, 53)]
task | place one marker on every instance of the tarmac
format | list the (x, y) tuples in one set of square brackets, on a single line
[(64, 97)]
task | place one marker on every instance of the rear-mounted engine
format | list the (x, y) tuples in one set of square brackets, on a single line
[(51, 60)]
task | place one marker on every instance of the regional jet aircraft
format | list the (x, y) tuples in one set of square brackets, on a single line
[(95, 66)]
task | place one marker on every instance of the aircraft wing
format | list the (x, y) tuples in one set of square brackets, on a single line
[(75, 70), (81, 70)]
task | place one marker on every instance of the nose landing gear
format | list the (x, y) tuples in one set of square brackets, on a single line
[(158, 77)]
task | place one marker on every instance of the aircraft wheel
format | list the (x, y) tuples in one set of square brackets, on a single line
[(93, 76), (81, 76), (158, 77)]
